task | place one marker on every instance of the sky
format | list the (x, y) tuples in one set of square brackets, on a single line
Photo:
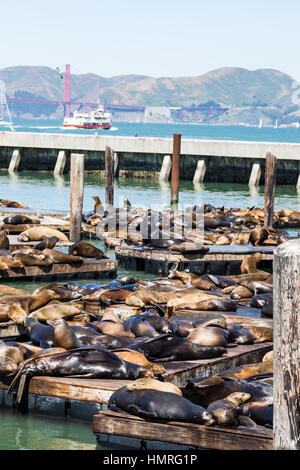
[(159, 38)]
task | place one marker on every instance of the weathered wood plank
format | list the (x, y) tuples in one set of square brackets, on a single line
[(76, 195), (270, 183), (287, 346), (209, 437)]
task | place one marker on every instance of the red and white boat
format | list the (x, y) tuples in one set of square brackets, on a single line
[(92, 120)]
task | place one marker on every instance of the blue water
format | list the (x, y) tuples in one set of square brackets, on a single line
[(187, 131)]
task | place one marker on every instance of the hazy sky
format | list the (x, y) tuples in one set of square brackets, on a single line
[(151, 37)]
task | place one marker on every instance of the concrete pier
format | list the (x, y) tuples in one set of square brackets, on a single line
[(199, 172), (60, 163), (255, 175), (15, 161), (225, 161)]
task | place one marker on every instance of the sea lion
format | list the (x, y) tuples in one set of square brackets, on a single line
[(261, 333), (40, 232), (4, 240), (47, 242), (196, 302), (240, 335), (142, 297), (58, 257), (261, 413), (40, 335), (258, 236), (114, 295), (16, 314), (172, 348), (223, 410), (57, 310), (12, 290), (204, 391), (211, 321), (257, 287), (98, 206), (8, 261), (268, 357), (62, 292), (42, 298), (107, 341), (267, 309), (160, 324), (32, 260), (240, 292), (140, 359), (113, 328), (181, 328), (190, 279), (153, 404), (257, 301), (20, 219), (249, 264), (86, 250), (84, 362), (147, 383), (247, 370), (209, 336), (140, 327), (64, 336)]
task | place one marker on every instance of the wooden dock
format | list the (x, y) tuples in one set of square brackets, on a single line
[(188, 434), (222, 259), (10, 329), (90, 268)]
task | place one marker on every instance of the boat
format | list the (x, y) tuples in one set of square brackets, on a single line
[(260, 123), (4, 110), (96, 119)]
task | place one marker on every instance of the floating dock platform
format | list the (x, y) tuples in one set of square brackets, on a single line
[(90, 268), (220, 259), (174, 432)]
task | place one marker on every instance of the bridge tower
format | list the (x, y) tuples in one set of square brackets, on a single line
[(67, 93)]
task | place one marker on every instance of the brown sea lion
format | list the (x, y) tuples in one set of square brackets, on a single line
[(191, 279), (114, 295), (11, 290), (42, 298), (47, 242), (211, 321), (32, 260), (209, 336), (40, 232), (142, 297), (98, 206), (223, 410), (140, 359), (260, 333), (54, 311), (58, 257), (249, 264), (86, 250), (240, 292), (64, 336), (268, 357), (248, 370), (108, 327), (146, 383), (62, 292), (16, 314), (11, 262), (258, 236), (200, 302)]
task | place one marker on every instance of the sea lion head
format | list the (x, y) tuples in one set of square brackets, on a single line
[(7, 366), (237, 398)]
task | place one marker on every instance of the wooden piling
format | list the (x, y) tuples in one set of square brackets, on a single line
[(109, 177), (76, 195), (175, 170), (15, 161), (60, 163), (286, 319), (270, 183)]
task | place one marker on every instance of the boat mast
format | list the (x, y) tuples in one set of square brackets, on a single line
[(3, 103)]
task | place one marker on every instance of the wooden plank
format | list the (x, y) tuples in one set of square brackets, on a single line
[(60, 270), (11, 329), (270, 183), (209, 437)]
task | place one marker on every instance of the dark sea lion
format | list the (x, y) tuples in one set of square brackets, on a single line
[(240, 335), (4, 240), (140, 359), (257, 301), (223, 410), (160, 324), (181, 328), (261, 413), (211, 321), (172, 348), (123, 280), (140, 327), (87, 250), (147, 383), (209, 336), (204, 391), (40, 335), (267, 309), (47, 242), (58, 257), (257, 287), (19, 219), (258, 236), (153, 404), (84, 362), (220, 281)]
